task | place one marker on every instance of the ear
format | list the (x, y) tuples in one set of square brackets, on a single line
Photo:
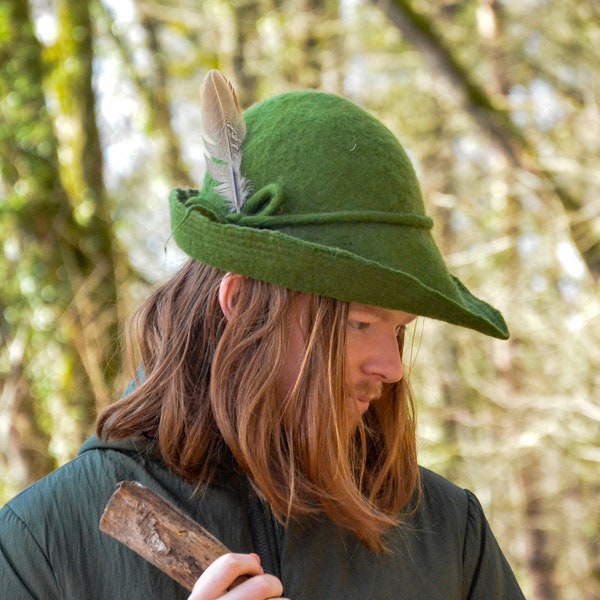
[(227, 293)]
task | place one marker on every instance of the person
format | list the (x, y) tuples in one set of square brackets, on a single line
[(270, 402)]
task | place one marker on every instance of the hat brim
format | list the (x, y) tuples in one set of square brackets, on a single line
[(338, 270)]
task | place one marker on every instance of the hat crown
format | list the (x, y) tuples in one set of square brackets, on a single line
[(335, 209), (328, 155)]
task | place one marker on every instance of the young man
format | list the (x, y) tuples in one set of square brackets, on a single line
[(269, 402)]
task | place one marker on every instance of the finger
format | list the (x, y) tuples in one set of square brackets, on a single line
[(215, 580), (259, 587)]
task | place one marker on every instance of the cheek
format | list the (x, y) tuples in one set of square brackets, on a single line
[(354, 357), (293, 360)]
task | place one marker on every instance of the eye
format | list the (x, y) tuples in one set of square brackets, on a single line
[(358, 325)]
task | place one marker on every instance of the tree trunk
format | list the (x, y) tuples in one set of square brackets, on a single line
[(541, 560), (92, 273), (245, 16), (159, 107), (58, 226), (34, 211)]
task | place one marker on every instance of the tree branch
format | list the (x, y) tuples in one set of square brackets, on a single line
[(496, 124)]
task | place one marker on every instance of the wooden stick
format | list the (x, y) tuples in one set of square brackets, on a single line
[(161, 534)]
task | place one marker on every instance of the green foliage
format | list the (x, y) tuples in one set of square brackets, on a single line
[(49, 355)]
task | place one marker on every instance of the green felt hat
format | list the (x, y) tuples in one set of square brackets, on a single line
[(334, 209)]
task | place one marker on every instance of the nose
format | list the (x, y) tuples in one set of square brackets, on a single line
[(385, 361)]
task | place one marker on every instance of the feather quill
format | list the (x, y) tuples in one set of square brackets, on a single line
[(223, 133)]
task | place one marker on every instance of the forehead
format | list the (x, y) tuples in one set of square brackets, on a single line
[(384, 314)]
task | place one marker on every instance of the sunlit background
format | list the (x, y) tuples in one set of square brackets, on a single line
[(497, 104)]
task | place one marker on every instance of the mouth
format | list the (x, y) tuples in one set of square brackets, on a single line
[(363, 393), (363, 403)]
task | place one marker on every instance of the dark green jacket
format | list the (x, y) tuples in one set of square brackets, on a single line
[(51, 547)]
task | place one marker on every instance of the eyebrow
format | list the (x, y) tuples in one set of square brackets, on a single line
[(376, 311)]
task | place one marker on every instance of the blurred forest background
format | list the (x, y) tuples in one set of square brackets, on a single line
[(498, 104)]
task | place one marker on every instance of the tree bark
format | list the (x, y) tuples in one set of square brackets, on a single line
[(160, 533)]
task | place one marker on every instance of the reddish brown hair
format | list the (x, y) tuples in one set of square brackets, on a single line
[(210, 392)]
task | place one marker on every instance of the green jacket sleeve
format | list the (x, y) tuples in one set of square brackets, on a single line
[(51, 547), (487, 574), (21, 555)]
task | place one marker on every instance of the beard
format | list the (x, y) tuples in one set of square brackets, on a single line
[(367, 389), (362, 394)]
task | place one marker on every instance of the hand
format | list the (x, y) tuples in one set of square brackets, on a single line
[(213, 583)]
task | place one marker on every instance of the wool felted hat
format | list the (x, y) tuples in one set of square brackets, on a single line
[(329, 205)]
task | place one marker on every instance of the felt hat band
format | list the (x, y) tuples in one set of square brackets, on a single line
[(261, 211)]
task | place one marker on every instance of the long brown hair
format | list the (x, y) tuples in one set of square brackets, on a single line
[(209, 391)]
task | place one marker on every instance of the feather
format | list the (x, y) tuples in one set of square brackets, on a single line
[(223, 132)]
